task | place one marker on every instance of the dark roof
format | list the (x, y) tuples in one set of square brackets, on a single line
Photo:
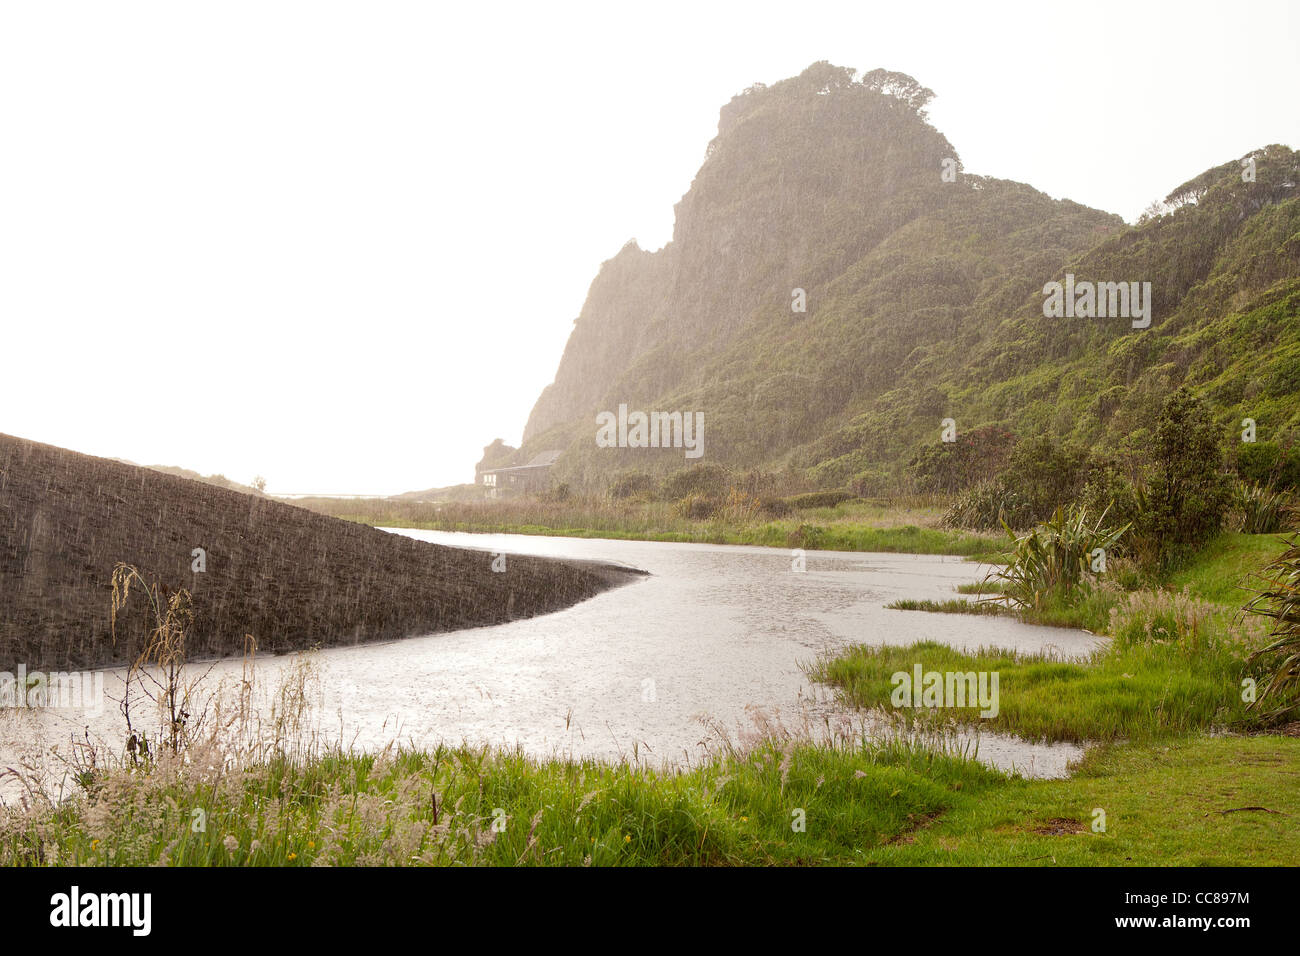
[(545, 460)]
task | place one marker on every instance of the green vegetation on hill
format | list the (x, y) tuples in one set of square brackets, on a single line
[(924, 302)]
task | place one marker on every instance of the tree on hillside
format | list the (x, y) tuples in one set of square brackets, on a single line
[(1187, 488), (824, 76), (901, 87)]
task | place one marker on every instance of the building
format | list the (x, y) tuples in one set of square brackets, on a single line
[(521, 479)]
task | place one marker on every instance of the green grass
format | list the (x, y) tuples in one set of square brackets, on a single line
[(1090, 611), (850, 526), (947, 607), (782, 534), (1225, 564), (1174, 665), (1139, 688), (362, 809), (989, 587), (1219, 574), (882, 804), (1163, 804)]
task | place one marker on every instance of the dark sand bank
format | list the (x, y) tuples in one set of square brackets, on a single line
[(290, 577)]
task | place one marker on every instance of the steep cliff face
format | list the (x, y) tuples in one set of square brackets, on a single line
[(611, 333), (803, 178), (923, 289)]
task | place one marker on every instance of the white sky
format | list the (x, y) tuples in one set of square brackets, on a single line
[(342, 244)]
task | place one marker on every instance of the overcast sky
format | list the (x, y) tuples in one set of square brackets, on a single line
[(342, 245)]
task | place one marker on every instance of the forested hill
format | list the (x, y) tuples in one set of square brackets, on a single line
[(924, 290)]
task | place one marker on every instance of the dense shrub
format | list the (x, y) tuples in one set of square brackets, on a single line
[(633, 484), (1268, 463), (976, 455), (696, 507), (818, 499), (1051, 566), (760, 484), (1187, 490), (1109, 487), (1259, 510), (872, 484), (1039, 478), (990, 504), (710, 481), (1046, 475)]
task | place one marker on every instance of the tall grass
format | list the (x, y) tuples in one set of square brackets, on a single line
[(951, 606), (1279, 601), (1259, 509), (163, 650), (785, 801), (1174, 665)]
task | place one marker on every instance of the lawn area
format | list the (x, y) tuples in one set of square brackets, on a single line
[(1225, 564), (1182, 804)]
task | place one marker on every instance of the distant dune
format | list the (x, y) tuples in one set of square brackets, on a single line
[(289, 577)]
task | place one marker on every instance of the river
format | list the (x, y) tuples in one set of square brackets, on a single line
[(704, 651)]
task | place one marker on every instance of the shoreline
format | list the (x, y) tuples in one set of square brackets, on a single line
[(289, 577)]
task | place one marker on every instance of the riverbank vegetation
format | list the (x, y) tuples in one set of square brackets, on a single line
[(1174, 665), (1164, 498), (1189, 648), (1222, 801), (908, 524)]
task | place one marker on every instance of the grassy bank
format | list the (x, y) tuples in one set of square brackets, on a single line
[(1138, 691), (908, 526), (1222, 574), (782, 804), (1161, 792), (1174, 663), (1224, 571), (1224, 801)]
